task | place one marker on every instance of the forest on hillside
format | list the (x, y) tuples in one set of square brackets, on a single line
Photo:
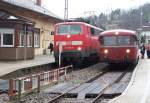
[(127, 19)]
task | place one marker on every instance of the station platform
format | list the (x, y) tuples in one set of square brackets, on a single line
[(10, 66), (138, 90)]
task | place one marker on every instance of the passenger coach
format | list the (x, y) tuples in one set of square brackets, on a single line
[(77, 42), (119, 46)]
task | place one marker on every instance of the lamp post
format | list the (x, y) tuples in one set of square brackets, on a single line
[(66, 11), (141, 17), (140, 23)]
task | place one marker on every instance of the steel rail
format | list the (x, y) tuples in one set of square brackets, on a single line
[(54, 100), (115, 81)]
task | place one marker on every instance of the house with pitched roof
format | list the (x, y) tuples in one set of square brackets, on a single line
[(25, 29)]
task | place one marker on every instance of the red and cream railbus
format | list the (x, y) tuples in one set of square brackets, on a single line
[(78, 40), (119, 46)]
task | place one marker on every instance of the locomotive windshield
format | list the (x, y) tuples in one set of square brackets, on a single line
[(69, 29), (116, 40)]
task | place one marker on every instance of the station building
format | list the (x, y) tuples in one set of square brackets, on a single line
[(25, 29)]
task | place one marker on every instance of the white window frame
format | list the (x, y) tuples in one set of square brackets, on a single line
[(21, 39), (28, 40), (0, 39), (4, 31), (36, 40)]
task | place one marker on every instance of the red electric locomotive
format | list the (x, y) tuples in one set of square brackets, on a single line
[(77, 41), (119, 46)]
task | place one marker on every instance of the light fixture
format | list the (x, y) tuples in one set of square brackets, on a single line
[(128, 51), (105, 51), (79, 48), (68, 36)]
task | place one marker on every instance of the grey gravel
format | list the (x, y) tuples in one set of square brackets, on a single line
[(4, 98), (76, 77)]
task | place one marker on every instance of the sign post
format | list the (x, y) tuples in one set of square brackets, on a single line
[(60, 50)]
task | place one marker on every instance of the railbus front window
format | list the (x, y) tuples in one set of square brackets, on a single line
[(110, 40), (69, 29), (123, 40)]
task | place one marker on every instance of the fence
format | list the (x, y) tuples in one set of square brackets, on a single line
[(28, 84)]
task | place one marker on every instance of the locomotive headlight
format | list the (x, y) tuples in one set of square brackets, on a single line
[(68, 36), (105, 51), (128, 51), (79, 48)]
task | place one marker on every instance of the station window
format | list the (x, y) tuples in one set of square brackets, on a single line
[(6, 37), (36, 37), (0, 40), (29, 39), (22, 39)]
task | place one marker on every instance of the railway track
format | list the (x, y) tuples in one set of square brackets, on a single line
[(62, 95), (75, 75), (68, 96), (97, 99)]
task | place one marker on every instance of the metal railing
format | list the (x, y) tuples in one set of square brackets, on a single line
[(27, 84)]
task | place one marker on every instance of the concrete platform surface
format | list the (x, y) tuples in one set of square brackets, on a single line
[(138, 90), (10, 66)]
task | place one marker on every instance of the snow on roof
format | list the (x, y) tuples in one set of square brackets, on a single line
[(30, 5)]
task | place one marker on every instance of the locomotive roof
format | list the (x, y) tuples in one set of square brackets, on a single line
[(120, 31), (80, 23)]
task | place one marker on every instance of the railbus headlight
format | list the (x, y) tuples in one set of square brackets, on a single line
[(128, 51), (105, 51)]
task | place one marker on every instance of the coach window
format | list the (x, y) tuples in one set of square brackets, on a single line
[(92, 31)]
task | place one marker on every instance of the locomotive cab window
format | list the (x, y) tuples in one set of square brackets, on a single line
[(69, 29), (92, 31), (75, 29)]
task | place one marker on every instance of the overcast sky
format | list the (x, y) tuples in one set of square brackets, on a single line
[(78, 7)]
